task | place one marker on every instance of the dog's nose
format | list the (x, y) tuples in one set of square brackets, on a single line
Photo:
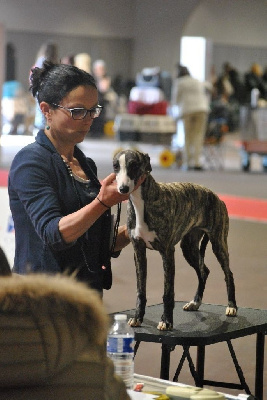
[(124, 189)]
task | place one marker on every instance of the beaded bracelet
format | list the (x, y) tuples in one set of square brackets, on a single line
[(103, 204)]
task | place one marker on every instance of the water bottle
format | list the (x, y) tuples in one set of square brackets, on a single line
[(120, 348)]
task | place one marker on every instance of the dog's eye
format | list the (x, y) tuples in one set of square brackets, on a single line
[(133, 167), (133, 164), (116, 166)]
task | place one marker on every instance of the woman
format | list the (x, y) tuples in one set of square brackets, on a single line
[(61, 211)]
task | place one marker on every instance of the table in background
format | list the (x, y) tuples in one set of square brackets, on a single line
[(208, 325)]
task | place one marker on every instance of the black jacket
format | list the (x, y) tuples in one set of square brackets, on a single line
[(41, 192)]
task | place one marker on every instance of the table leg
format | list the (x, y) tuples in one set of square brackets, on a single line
[(181, 363), (136, 347), (165, 361), (200, 364), (260, 344)]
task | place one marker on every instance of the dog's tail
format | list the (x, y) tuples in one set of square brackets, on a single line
[(203, 245)]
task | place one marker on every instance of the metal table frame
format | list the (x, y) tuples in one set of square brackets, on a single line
[(208, 325)]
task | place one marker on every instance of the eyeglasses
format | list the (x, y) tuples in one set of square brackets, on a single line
[(81, 113)]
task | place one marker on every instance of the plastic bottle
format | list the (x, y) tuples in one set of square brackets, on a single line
[(120, 348)]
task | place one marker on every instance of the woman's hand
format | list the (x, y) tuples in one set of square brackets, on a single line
[(122, 238), (74, 225), (109, 194)]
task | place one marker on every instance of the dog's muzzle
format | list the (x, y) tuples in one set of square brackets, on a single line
[(124, 189)]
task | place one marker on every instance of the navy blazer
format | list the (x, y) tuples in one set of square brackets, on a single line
[(42, 191)]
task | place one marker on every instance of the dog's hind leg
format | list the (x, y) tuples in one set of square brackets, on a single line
[(220, 249), (166, 322), (195, 257), (141, 278)]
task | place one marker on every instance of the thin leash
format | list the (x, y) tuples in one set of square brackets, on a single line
[(116, 227)]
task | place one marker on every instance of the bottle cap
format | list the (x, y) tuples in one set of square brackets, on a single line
[(120, 317)]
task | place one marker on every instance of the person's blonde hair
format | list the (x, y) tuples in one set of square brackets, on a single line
[(256, 69)]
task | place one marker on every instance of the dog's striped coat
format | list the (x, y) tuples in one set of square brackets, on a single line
[(160, 215)]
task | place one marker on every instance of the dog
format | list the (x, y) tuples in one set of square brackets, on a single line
[(159, 215)]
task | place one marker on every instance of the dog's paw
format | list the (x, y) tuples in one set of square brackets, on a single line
[(164, 326), (134, 322), (192, 306), (231, 311)]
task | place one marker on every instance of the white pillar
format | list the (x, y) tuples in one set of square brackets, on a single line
[(196, 55)]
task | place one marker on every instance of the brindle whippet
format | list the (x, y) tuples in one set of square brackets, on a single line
[(159, 215)]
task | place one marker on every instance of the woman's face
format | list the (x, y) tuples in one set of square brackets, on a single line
[(63, 127)]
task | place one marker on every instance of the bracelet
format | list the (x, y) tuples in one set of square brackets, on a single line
[(103, 204)]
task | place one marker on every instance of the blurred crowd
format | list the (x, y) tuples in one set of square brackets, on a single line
[(21, 115), (230, 90), (234, 86)]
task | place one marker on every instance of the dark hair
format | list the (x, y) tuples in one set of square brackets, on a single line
[(182, 71), (53, 82)]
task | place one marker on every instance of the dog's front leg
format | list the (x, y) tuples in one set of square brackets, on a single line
[(141, 277), (166, 322)]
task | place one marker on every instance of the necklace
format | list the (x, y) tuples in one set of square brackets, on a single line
[(67, 166), (79, 178), (72, 174)]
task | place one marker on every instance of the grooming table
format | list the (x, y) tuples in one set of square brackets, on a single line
[(208, 325)]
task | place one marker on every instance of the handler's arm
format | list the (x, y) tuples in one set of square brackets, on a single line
[(122, 239), (74, 225)]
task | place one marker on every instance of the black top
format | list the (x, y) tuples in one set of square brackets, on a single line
[(42, 190)]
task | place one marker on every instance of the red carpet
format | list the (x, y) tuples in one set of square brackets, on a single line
[(238, 207), (3, 177), (246, 208)]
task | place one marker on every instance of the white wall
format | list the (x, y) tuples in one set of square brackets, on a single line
[(158, 30), (76, 17), (156, 26), (237, 29), (238, 22), (161, 24)]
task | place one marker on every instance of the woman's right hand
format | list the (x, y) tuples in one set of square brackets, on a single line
[(109, 194)]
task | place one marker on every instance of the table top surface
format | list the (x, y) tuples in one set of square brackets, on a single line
[(206, 326)]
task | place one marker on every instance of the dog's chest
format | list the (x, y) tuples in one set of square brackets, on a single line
[(141, 229)]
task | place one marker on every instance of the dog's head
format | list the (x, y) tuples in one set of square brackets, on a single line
[(129, 166)]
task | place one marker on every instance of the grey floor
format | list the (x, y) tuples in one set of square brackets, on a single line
[(247, 248)]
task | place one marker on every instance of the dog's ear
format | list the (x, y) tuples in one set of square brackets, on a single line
[(147, 164)]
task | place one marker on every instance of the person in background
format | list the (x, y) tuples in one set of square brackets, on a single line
[(100, 74), (192, 97), (83, 61), (48, 51), (67, 60), (228, 95), (253, 80), (107, 95), (229, 84), (61, 211)]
